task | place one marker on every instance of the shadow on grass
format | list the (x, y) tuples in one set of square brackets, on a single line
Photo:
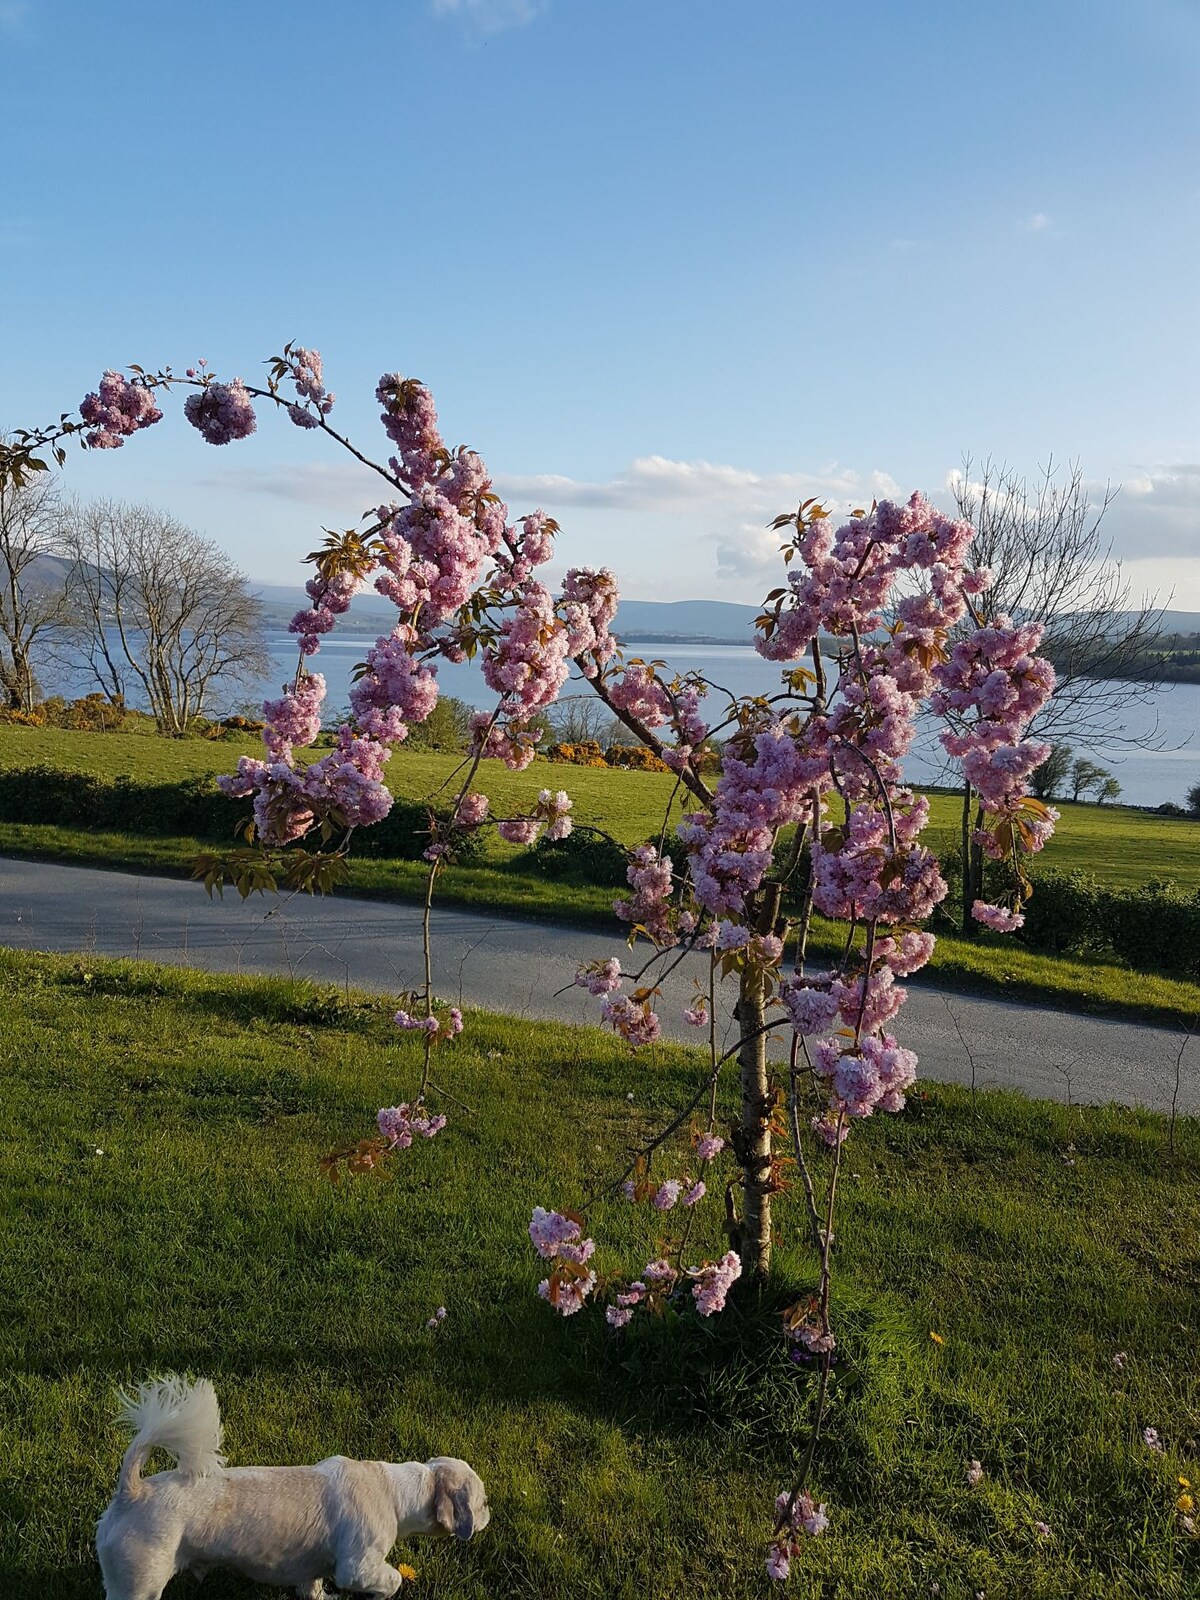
[(72, 1581)]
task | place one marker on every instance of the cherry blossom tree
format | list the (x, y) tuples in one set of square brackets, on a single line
[(809, 816)]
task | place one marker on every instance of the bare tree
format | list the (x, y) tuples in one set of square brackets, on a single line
[(578, 718), (33, 605), (1051, 563), (160, 609)]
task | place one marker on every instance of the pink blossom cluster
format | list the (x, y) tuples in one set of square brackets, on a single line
[(796, 1520), (813, 1339), (509, 739), (567, 1294), (308, 376), (295, 718), (435, 1027), (998, 918), (395, 690), (634, 1020), (588, 607), (671, 1192), (709, 1146), (658, 1277), (599, 977), (713, 1281), (877, 870), (871, 1076), (400, 1124), (555, 1234), (221, 412), (120, 408), (763, 787), (528, 663), (620, 1314), (639, 692), (557, 1237), (842, 581), (471, 811), (697, 1015), (553, 813), (649, 907), (989, 689), (660, 1273), (810, 1005), (346, 785), (330, 599)]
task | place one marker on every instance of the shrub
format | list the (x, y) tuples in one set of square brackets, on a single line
[(634, 757), (1064, 914), (581, 753), (192, 806), (1193, 801), (46, 794), (447, 727), (404, 834), (93, 713), (1155, 927), (583, 857)]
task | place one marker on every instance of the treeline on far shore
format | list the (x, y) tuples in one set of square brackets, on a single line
[(1170, 658)]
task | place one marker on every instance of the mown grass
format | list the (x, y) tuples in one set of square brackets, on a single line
[(159, 1138), (1115, 844)]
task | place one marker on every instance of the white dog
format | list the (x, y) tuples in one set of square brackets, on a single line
[(283, 1525)]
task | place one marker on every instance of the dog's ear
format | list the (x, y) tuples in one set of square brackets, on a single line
[(452, 1504)]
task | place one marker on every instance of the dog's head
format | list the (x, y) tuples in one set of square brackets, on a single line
[(460, 1505)]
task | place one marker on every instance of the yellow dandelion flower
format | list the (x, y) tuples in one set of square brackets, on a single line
[(409, 1574), (1185, 1503), (936, 1337), (1184, 1483)]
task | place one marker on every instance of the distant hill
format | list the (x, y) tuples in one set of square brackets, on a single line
[(704, 621), (649, 621), (1184, 622), (709, 620)]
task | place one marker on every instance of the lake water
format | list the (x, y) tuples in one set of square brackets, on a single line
[(1147, 777)]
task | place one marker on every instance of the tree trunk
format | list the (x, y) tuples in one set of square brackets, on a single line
[(972, 867), (754, 1136), (755, 1141)]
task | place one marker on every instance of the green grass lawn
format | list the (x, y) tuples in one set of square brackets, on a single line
[(159, 1136), (1115, 843)]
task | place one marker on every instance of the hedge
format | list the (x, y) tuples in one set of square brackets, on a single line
[(193, 806), (1156, 927)]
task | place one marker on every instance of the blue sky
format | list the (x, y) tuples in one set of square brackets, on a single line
[(667, 264)]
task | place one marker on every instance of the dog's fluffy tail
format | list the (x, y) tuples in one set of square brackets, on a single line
[(172, 1414)]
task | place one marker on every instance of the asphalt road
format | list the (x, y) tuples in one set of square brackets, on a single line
[(526, 968)]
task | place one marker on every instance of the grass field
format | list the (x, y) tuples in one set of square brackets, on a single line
[(1121, 845), (159, 1138), (1117, 844)]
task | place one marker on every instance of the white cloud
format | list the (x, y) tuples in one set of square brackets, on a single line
[(1157, 513), (676, 523), (490, 16), (699, 489), (1037, 223), (312, 484)]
